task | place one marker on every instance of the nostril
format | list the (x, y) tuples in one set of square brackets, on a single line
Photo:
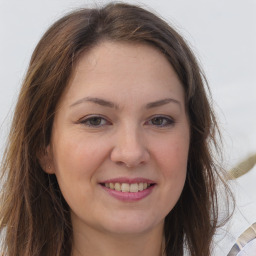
[(120, 163)]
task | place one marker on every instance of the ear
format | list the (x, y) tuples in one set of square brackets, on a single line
[(45, 158)]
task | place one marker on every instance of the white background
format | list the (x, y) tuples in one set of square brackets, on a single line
[(221, 33)]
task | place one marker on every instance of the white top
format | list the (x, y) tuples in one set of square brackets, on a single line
[(249, 249), (244, 216)]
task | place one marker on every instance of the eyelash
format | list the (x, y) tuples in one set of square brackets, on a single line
[(165, 121), (91, 118), (168, 121)]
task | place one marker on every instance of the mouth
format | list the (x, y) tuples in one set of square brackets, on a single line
[(127, 187)]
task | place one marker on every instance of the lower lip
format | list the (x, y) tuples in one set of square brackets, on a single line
[(129, 196)]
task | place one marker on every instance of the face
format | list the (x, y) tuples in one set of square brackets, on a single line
[(120, 139)]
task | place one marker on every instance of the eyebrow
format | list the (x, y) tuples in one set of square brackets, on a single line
[(98, 101), (161, 103), (110, 104)]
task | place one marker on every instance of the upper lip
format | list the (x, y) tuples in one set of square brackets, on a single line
[(129, 180)]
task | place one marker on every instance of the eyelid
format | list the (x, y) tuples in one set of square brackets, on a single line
[(171, 120), (87, 118)]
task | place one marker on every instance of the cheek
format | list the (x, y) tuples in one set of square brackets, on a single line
[(173, 155), (77, 154), (76, 161), (174, 174)]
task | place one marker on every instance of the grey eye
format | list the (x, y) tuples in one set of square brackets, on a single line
[(95, 121), (161, 121)]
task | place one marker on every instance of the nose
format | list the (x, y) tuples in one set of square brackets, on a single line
[(129, 148)]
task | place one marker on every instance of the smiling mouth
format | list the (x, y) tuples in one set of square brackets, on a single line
[(126, 187)]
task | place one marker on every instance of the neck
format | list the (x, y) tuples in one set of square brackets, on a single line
[(92, 242)]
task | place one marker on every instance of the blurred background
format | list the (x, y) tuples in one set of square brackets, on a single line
[(222, 34)]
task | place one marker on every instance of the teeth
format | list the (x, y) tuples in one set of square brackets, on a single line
[(117, 187), (134, 187), (125, 187), (141, 186)]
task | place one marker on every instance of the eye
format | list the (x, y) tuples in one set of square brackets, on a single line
[(94, 121), (160, 121)]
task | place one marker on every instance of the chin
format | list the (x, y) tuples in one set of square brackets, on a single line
[(133, 225)]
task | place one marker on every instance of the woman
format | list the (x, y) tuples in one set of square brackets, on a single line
[(110, 147)]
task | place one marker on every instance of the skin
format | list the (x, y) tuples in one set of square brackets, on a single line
[(127, 138)]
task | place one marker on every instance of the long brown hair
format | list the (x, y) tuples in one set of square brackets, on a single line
[(34, 217)]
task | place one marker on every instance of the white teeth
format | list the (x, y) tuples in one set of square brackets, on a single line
[(134, 187), (117, 187), (141, 186), (125, 187)]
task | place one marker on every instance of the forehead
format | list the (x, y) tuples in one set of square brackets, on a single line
[(122, 67)]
